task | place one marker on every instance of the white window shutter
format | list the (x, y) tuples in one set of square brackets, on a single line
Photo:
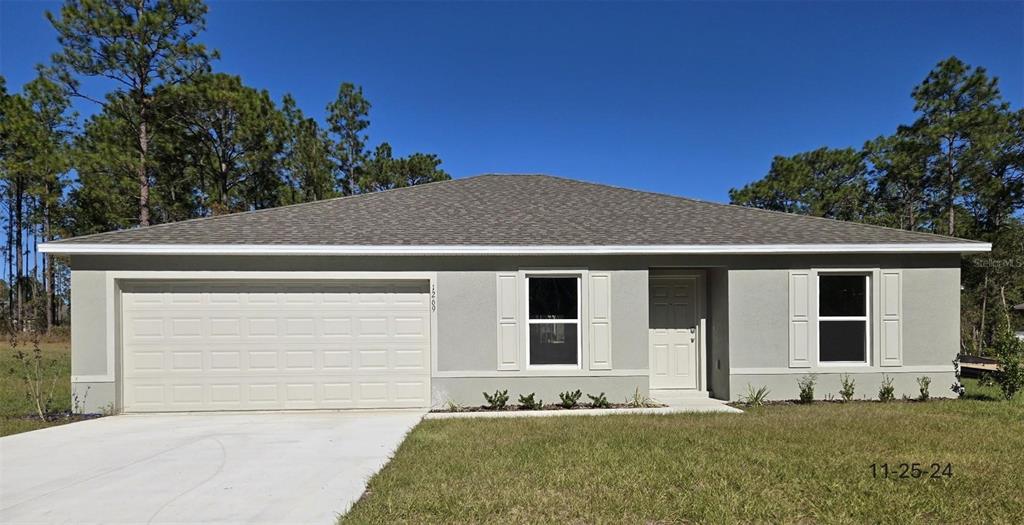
[(800, 318), (508, 331), (891, 324), (600, 321)]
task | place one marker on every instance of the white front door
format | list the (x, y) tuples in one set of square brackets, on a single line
[(673, 338)]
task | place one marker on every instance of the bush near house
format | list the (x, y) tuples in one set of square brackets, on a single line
[(886, 392), (923, 383), (599, 401), (530, 402), (1009, 351), (569, 399), (849, 387), (497, 400), (18, 409), (806, 386)]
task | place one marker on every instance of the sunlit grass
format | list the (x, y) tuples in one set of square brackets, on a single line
[(773, 464)]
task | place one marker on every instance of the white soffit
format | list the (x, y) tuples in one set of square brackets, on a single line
[(303, 249)]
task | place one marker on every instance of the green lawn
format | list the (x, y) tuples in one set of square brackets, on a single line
[(774, 464), (15, 405)]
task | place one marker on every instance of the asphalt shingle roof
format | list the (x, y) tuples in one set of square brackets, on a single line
[(511, 210)]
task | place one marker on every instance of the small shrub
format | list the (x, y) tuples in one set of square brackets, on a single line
[(922, 384), (529, 403), (887, 392), (1009, 351), (451, 406), (755, 398), (639, 400), (498, 400), (78, 403), (849, 387), (957, 387), (806, 385), (570, 399), (599, 401), (38, 375)]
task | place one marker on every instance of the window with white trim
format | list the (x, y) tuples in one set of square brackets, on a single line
[(843, 327), (553, 313)]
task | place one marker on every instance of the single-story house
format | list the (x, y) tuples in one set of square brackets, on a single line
[(420, 296)]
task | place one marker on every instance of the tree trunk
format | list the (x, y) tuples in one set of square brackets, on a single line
[(1006, 307), (19, 264), (48, 270), (9, 256), (984, 307), (952, 211), (951, 180), (223, 188), (141, 172)]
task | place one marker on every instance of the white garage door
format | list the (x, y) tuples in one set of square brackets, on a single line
[(282, 345)]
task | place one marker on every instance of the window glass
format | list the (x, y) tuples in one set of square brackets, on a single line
[(842, 341), (553, 298), (553, 344), (553, 305), (842, 295)]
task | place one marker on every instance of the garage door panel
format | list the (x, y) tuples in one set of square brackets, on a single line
[(257, 393), (239, 346)]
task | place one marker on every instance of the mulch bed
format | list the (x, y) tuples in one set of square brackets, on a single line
[(517, 408), (65, 417)]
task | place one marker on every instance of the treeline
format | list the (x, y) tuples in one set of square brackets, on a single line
[(957, 170), (170, 139)]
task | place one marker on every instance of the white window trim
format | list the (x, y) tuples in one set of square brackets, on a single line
[(866, 318), (579, 276)]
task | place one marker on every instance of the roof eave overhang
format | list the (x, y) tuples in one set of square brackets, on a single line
[(296, 249)]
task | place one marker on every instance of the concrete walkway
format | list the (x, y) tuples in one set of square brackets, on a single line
[(286, 467), (691, 401)]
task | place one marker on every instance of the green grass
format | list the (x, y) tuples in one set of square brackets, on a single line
[(16, 408), (774, 464), (991, 392)]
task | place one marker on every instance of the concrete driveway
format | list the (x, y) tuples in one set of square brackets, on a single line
[(290, 467)]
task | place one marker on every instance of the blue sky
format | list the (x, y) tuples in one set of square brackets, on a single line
[(683, 98)]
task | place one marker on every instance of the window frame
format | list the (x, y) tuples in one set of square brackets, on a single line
[(578, 276), (866, 318)]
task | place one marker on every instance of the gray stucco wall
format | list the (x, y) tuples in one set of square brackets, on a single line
[(784, 386), (758, 323), (718, 338), (467, 332), (759, 332), (93, 397), (466, 317), (88, 323), (931, 316), (468, 391), (747, 327), (92, 387), (630, 320)]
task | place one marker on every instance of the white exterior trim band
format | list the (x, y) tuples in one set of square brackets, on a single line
[(539, 372), (313, 249), (842, 369)]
